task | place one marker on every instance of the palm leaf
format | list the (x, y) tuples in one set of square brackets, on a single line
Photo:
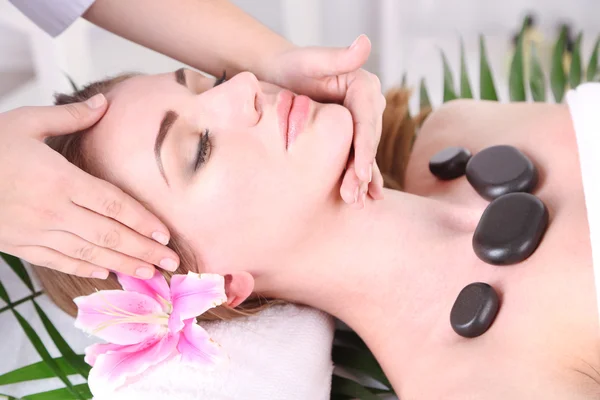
[(593, 64), (558, 78), (537, 80), (23, 300), (65, 350), (39, 370), (575, 72), (346, 387), (465, 86), (17, 266), (424, 102), (61, 394), (359, 360), (4, 294), (403, 83), (350, 339), (449, 92), (39, 347), (487, 89), (516, 78)]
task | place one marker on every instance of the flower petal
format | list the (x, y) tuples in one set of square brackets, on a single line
[(119, 317), (111, 370), (193, 295), (196, 346), (157, 287), (92, 352)]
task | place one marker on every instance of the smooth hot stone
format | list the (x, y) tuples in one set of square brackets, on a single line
[(499, 170), (510, 229), (449, 163), (474, 310)]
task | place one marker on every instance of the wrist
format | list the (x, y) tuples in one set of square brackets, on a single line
[(267, 65)]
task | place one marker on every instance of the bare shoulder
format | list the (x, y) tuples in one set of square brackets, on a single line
[(542, 131)]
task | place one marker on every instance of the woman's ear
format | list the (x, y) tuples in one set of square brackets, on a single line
[(238, 286)]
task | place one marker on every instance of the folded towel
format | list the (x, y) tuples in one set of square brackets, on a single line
[(283, 353)]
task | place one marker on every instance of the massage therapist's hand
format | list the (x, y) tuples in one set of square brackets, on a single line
[(335, 75), (55, 215)]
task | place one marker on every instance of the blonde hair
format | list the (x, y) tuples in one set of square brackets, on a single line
[(396, 141)]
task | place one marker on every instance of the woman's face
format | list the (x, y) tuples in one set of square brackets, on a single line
[(241, 178)]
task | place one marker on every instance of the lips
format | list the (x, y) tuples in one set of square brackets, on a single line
[(293, 112)]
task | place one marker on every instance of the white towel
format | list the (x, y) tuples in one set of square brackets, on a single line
[(283, 353), (584, 104)]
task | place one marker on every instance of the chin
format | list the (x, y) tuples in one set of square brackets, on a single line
[(336, 131)]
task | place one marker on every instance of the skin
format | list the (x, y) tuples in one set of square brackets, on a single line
[(391, 271)]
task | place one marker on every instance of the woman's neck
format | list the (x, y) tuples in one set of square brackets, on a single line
[(382, 270)]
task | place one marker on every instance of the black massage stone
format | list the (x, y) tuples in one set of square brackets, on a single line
[(449, 163), (499, 170), (474, 310), (510, 229)]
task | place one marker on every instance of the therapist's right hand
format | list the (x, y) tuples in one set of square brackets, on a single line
[(55, 215)]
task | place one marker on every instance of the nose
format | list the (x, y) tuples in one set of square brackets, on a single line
[(238, 99)]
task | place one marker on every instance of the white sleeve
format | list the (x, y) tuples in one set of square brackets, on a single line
[(584, 103), (53, 16)]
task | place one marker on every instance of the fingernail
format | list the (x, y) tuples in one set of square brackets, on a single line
[(354, 43), (356, 192), (96, 101), (144, 273), (168, 264), (100, 274), (370, 172), (160, 238)]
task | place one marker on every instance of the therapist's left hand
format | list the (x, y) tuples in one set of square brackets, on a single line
[(335, 75)]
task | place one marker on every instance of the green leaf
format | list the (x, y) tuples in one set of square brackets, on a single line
[(62, 394), (575, 69), (593, 64), (403, 84), (39, 370), (487, 89), (424, 96), (347, 387), (39, 347), (351, 339), (558, 78), (465, 86), (449, 92), (65, 350), (73, 84), (516, 78), (4, 294), (360, 360), (17, 266), (537, 80)]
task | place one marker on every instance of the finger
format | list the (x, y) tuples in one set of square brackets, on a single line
[(75, 247), (376, 185), (350, 188), (320, 62), (108, 200), (49, 258), (110, 234), (64, 119), (367, 132)]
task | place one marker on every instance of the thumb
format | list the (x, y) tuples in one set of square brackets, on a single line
[(68, 118), (320, 62)]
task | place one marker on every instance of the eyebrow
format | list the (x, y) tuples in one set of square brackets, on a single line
[(165, 126), (180, 77)]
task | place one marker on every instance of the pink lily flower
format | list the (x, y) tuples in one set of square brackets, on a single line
[(147, 323)]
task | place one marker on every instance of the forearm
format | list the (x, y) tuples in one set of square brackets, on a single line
[(211, 35)]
